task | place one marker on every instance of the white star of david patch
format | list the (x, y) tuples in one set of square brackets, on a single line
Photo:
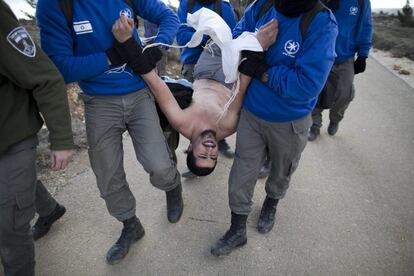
[(20, 39)]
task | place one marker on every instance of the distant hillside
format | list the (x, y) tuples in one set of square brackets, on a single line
[(388, 11)]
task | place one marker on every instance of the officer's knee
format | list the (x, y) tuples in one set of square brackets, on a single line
[(164, 178)]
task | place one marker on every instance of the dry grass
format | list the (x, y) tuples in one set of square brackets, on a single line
[(390, 36)]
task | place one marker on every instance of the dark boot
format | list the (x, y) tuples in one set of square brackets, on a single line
[(132, 232), (267, 215), (265, 169), (313, 133), (224, 148), (175, 204), (43, 224), (234, 237), (332, 128)]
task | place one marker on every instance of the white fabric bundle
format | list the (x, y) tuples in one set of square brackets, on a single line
[(207, 22)]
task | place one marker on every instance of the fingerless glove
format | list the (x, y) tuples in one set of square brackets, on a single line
[(131, 52), (148, 60), (254, 64), (114, 55)]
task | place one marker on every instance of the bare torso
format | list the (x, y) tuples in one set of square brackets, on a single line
[(207, 107)]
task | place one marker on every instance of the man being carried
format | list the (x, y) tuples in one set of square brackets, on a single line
[(206, 120)]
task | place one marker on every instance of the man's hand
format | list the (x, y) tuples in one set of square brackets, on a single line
[(60, 158), (127, 49), (360, 65), (267, 34), (123, 29)]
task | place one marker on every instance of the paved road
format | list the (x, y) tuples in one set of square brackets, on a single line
[(349, 211)]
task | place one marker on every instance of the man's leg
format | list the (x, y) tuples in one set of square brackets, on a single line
[(48, 209), (152, 150), (286, 142), (315, 129), (250, 153), (104, 127), (345, 94), (17, 196), (225, 149), (265, 169), (45, 203), (173, 139)]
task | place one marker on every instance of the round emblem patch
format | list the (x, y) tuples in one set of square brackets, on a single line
[(126, 12), (20, 39), (291, 47)]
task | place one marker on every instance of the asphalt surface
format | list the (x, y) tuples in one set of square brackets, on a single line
[(349, 210)]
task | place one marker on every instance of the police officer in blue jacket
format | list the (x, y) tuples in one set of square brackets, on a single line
[(189, 56), (116, 99), (355, 34), (276, 113)]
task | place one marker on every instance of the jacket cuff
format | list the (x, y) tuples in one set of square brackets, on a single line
[(62, 144)]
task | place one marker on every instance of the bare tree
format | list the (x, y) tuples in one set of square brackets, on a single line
[(237, 6), (32, 3), (406, 16)]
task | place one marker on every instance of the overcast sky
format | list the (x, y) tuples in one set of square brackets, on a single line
[(19, 5)]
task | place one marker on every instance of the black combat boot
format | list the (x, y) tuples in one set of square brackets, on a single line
[(224, 148), (313, 133), (234, 237), (43, 224), (332, 128), (132, 232), (267, 215), (175, 204)]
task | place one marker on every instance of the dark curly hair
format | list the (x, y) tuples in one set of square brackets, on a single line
[(200, 171)]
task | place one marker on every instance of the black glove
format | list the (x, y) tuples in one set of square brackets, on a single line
[(149, 60), (254, 64), (114, 55), (360, 64), (131, 52)]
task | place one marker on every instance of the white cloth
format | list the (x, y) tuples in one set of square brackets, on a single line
[(207, 22)]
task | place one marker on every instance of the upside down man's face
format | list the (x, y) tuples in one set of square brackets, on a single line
[(205, 149)]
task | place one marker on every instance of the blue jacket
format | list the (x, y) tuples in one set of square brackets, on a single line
[(355, 29), (191, 55), (79, 52), (299, 66)]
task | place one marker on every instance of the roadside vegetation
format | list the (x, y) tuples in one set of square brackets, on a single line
[(395, 32)]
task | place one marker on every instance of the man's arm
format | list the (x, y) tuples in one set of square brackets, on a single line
[(266, 36), (177, 117), (236, 105), (32, 71), (157, 12), (122, 30), (228, 124), (306, 79), (184, 32), (364, 31), (57, 42)]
